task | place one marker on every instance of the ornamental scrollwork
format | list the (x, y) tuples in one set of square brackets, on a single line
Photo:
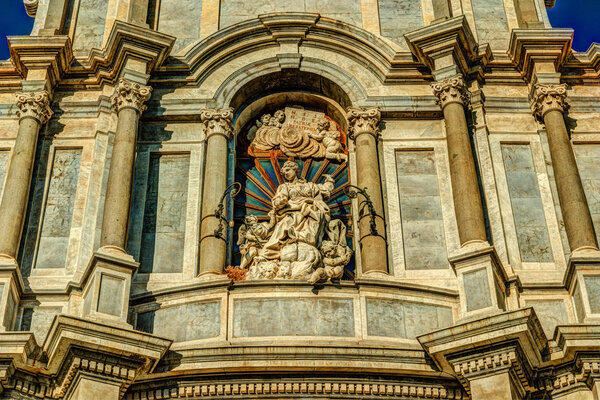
[(34, 105), (546, 97), (451, 90), (363, 120), (130, 95), (218, 121)]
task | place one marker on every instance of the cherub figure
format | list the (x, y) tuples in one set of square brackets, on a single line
[(251, 236), (333, 148), (277, 119)]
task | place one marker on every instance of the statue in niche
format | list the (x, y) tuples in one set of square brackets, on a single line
[(297, 133), (300, 241)]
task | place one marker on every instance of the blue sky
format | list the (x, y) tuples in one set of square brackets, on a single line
[(581, 15)]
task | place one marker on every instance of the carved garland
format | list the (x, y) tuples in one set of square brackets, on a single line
[(452, 90), (34, 105), (363, 120), (548, 97), (130, 95), (218, 122)]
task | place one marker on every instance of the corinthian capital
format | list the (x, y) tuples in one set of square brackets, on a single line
[(34, 105), (217, 121), (130, 95), (451, 90), (548, 97), (363, 120)]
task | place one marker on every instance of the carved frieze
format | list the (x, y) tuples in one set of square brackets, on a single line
[(34, 105), (548, 97), (363, 120), (297, 133), (130, 95), (218, 121), (451, 90)]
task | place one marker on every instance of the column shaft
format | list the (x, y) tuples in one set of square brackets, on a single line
[(213, 249), (120, 180), (363, 124), (34, 111), (573, 203)]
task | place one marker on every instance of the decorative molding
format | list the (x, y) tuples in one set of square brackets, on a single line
[(278, 388), (547, 97), (130, 95), (34, 105), (363, 120), (31, 7), (218, 121), (451, 90)]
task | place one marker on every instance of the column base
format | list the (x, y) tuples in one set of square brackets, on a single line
[(582, 280)]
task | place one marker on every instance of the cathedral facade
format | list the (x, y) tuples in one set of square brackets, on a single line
[(276, 199)]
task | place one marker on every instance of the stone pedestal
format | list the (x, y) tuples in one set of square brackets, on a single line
[(106, 287), (492, 357), (481, 281), (582, 279), (11, 289)]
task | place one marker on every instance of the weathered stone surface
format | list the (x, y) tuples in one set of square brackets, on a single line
[(405, 319), (551, 313), (421, 210), (592, 284), (490, 20), (293, 317), (37, 320), (184, 322), (89, 30), (4, 157), (111, 293), (477, 289), (182, 19), (588, 162), (397, 17), (527, 209), (58, 211)]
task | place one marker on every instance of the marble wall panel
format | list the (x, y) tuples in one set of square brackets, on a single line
[(234, 11), (526, 202), (397, 17), (38, 320), (182, 19), (4, 157), (477, 289), (111, 293), (89, 31), (578, 302), (588, 161), (421, 210), (165, 201), (293, 317), (491, 23), (404, 319), (550, 313), (58, 211), (592, 285), (184, 322)]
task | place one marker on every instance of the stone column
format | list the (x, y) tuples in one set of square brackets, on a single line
[(34, 111), (128, 101), (452, 96), (548, 103), (362, 123), (218, 129)]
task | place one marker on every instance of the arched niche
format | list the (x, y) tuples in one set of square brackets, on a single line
[(260, 171)]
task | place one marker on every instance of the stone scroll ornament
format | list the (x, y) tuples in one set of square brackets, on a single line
[(300, 240), (289, 131)]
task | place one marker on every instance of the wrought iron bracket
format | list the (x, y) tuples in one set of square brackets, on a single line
[(363, 205), (231, 191)]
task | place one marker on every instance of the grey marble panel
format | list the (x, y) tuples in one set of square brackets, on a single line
[(58, 212), (490, 20), (405, 319), (183, 322), (397, 17), (526, 202), (89, 30), (550, 313), (38, 320), (578, 301), (182, 19), (293, 317), (441, 8), (110, 299), (4, 156), (234, 11), (163, 230), (477, 289), (421, 210), (592, 284), (588, 161)]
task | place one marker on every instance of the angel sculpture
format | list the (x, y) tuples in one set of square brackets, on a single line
[(329, 137), (251, 237)]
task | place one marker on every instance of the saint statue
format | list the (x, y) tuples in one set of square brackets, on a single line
[(301, 241)]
